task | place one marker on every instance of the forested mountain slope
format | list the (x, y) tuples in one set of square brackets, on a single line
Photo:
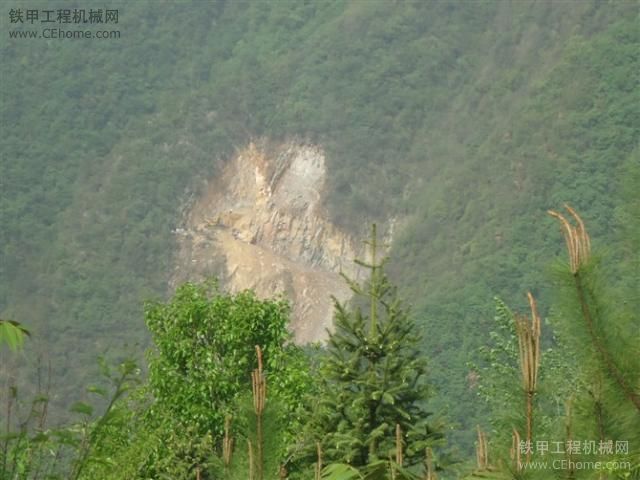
[(466, 121)]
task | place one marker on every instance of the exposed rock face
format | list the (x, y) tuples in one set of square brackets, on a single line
[(261, 225)]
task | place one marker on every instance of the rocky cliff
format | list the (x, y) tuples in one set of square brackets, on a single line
[(261, 225)]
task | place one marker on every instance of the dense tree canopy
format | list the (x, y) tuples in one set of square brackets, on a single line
[(463, 121)]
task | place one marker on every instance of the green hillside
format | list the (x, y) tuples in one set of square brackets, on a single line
[(464, 121)]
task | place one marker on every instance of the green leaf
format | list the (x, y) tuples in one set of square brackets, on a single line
[(82, 408), (13, 334), (97, 390), (388, 398), (340, 471)]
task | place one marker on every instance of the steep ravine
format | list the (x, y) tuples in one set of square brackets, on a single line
[(261, 225)]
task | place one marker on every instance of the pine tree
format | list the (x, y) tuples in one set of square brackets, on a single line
[(373, 377), (590, 378), (599, 324)]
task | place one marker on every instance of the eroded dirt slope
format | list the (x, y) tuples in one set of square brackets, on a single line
[(261, 225)]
